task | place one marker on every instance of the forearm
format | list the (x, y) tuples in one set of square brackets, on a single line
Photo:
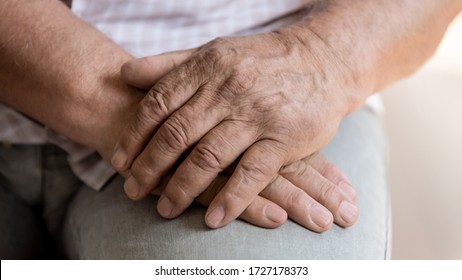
[(59, 70), (379, 41)]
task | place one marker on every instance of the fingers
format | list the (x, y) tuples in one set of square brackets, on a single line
[(256, 170), (176, 135), (261, 211), (300, 207), (213, 154), (264, 213), (145, 72), (331, 172), (339, 202), (162, 100)]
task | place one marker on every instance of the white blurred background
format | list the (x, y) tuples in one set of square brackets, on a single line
[(424, 123)]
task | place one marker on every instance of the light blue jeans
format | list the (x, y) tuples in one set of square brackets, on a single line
[(42, 201)]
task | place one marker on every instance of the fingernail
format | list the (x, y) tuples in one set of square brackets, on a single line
[(119, 159), (131, 187), (348, 190), (275, 214), (164, 206), (348, 212), (216, 216), (321, 216)]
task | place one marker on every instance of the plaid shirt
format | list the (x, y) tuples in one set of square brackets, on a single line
[(147, 27)]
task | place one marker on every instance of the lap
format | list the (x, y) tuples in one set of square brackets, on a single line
[(108, 225), (21, 236), (35, 184)]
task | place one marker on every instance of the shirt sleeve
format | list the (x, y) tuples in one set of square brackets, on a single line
[(85, 162)]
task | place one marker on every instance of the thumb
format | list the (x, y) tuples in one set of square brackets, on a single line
[(144, 72)]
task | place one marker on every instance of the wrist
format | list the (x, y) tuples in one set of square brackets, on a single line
[(100, 103), (329, 67), (379, 41), (63, 72)]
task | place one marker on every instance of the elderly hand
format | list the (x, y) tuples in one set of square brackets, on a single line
[(267, 97), (313, 192)]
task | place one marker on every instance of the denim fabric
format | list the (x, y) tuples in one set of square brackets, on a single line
[(36, 186)]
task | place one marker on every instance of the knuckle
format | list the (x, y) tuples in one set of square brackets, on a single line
[(208, 158), (310, 204), (141, 170), (221, 40), (327, 168), (235, 199), (214, 54), (175, 133), (241, 80), (226, 94), (296, 198), (236, 85), (244, 80), (154, 105), (255, 171), (182, 194), (224, 56), (218, 53), (297, 169), (245, 73), (216, 47), (332, 173), (328, 193)]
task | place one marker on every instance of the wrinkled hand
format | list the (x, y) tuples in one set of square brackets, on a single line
[(263, 97), (313, 192)]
